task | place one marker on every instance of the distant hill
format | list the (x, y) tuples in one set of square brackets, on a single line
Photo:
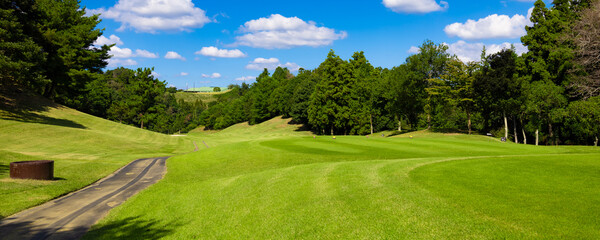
[(205, 97), (204, 89)]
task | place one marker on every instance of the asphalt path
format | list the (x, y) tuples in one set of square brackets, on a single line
[(71, 216)]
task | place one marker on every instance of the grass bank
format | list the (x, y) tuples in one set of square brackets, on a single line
[(85, 148)]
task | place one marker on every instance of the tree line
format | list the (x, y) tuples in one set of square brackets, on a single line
[(547, 95)]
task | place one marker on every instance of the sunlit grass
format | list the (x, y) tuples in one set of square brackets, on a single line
[(269, 181), (84, 148)]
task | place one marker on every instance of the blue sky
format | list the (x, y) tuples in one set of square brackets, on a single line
[(216, 43)]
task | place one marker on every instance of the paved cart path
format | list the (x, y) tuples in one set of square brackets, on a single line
[(71, 216)]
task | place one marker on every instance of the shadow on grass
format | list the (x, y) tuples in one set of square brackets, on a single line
[(132, 228), (25, 107), (129, 228), (3, 169), (30, 117)]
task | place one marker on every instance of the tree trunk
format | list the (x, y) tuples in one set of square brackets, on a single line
[(428, 121), (399, 123), (596, 142), (142, 125), (331, 130), (515, 129), (550, 133), (505, 126), (371, 121), (469, 122), (537, 136), (523, 130)]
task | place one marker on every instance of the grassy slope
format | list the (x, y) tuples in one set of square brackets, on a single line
[(85, 148), (204, 97), (269, 181)]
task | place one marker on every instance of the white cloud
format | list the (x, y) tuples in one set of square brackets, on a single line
[(467, 52), (492, 26), (247, 78), (415, 6), (270, 64), (414, 50), (155, 74), (145, 54), (214, 75), (118, 52), (115, 62), (174, 55), (155, 15), (183, 74), (222, 53), (112, 39), (278, 31)]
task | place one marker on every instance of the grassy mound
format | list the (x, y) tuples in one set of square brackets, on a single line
[(270, 181), (85, 148)]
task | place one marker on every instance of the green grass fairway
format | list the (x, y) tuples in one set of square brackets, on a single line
[(270, 181), (84, 148), (205, 97)]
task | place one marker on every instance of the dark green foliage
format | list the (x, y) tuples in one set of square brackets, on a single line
[(137, 98), (329, 107), (20, 56), (497, 88), (583, 119), (45, 46)]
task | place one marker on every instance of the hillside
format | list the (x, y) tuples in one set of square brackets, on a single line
[(85, 148), (205, 97)]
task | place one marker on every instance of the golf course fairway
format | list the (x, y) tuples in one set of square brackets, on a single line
[(273, 181)]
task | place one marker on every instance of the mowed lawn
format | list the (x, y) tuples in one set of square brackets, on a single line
[(85, 148), (272, 181)]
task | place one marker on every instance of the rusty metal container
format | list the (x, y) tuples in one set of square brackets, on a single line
[(40, 170)]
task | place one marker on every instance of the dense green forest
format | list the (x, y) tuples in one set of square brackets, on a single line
[(548, 95)]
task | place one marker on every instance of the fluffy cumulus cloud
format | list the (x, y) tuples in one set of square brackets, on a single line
[(145, 54), (121, 56), (117, 52), (246, 78), (174, 55), (112, 39), (467, 52), (155, 15), (415, 6), (270, 64), (214, 75), (278, 31), (115, 62), (220, 53), (492, 26)]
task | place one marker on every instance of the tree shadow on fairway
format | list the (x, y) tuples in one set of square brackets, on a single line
[(26, 107), (133, 228), (3, 169), (129, 228)]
